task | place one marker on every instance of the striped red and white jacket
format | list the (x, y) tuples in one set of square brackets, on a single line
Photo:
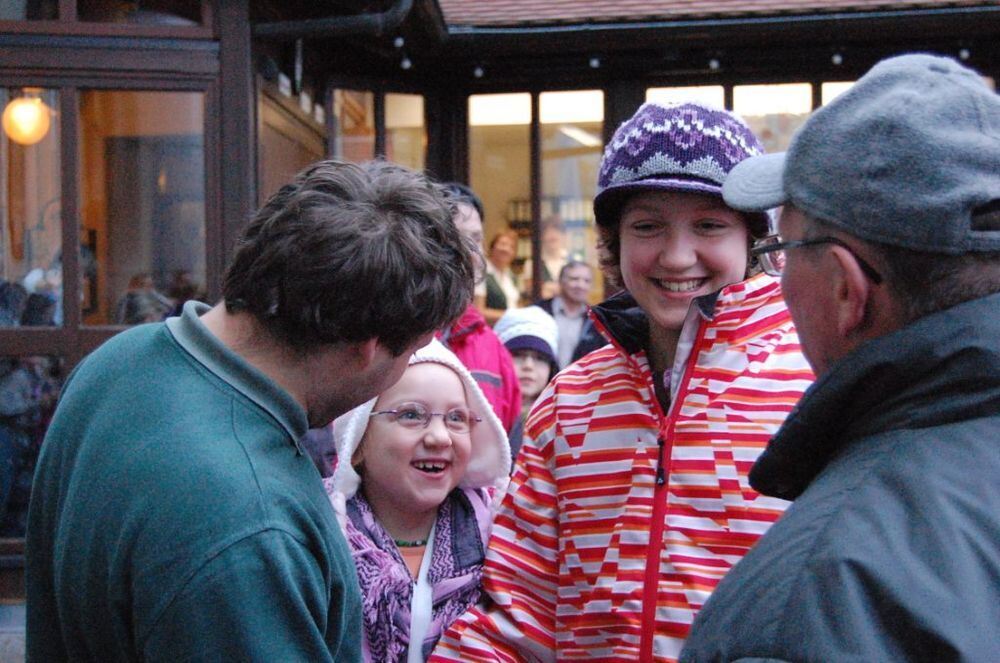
[(621, 518)]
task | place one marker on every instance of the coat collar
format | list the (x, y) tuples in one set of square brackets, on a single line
[(625, 324), (943, 367)]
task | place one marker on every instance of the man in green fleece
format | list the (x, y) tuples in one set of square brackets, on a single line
[(174, 516)]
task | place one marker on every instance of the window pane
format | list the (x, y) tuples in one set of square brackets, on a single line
[(499, 110), (774, 112), (29, 387), (30, 209), (572, 144), (29, 10), (143, 12), (354, 125), (143, 203), (830, 91), (405, 134), (713, 95), (500, 165)]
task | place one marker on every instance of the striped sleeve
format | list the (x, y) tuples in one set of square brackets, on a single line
[(516, 620)]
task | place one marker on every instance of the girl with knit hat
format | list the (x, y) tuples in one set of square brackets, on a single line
[(420, 466), (630, 498), (531, 336)]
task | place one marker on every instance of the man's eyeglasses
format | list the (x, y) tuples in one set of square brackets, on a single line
[(771, 252), (415, 415)]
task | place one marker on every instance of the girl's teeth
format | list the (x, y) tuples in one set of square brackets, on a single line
[(682, 286)]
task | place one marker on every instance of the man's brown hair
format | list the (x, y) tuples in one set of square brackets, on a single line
[(350, 252)]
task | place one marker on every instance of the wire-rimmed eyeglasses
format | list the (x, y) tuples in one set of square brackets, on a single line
[(416, 415), (771, 252)]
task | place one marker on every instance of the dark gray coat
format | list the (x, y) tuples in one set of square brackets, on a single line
[(891, 550)]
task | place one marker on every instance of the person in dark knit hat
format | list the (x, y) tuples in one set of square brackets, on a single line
[(629, 499), (531, 335)]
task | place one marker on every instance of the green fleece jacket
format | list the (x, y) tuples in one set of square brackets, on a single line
[(173, 516)]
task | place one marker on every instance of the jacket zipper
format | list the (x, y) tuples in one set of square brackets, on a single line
[(654, 551)]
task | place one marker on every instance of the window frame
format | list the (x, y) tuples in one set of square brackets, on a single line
[(68, 23)]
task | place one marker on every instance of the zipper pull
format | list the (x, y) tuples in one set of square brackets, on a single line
[(660, 478)]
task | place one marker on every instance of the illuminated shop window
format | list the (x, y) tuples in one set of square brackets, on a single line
[(405, 133), (142, 205), (30, 209), (774, 112)]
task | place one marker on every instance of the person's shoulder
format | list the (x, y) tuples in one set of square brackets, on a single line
[(862, 511), (127, 364), (880, 537), (488, 343), (131, 345), (603, 360), (937, 478), (594, 374), (546, 305), (759, 292)]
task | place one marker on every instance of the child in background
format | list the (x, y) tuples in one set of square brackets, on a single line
[(531, 335), (414, 488)]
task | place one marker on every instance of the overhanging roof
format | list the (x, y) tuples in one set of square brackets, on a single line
[(512, 43), (481, 13)]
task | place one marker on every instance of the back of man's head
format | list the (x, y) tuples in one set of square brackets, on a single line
[(907, 160), (350, 252)]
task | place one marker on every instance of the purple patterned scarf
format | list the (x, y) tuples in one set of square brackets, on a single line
[(387, 586)]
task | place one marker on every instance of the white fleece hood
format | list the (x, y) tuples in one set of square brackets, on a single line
[(489, 460)]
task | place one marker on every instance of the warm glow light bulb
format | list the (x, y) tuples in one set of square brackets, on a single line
[(26, 120)]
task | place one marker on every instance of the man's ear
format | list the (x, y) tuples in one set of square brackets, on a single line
[(852, 292), (363, 352)]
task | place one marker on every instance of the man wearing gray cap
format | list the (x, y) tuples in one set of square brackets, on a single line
[(889, 255)]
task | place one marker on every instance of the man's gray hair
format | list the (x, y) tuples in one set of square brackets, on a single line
[(574, 263)]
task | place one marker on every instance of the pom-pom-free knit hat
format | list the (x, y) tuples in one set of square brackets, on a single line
[(905, 157), (679, 147), (529, 328), (489, 462)]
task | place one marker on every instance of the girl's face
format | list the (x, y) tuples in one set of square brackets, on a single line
[(677, 246), (410, 469), (532, 369)]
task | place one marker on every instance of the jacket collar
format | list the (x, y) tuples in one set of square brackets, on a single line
[(943, 367), (192, 335), (625, 324)]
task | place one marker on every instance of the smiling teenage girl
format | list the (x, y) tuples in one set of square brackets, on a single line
[(413, 492), (630, 498)]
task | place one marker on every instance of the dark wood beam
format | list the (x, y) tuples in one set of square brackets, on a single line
[(237, 121)]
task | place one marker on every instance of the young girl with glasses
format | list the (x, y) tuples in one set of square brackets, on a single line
[(630, 498), (419, 468)]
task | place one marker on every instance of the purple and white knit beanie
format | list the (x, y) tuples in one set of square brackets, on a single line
[(678, 147), (529, 328)]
